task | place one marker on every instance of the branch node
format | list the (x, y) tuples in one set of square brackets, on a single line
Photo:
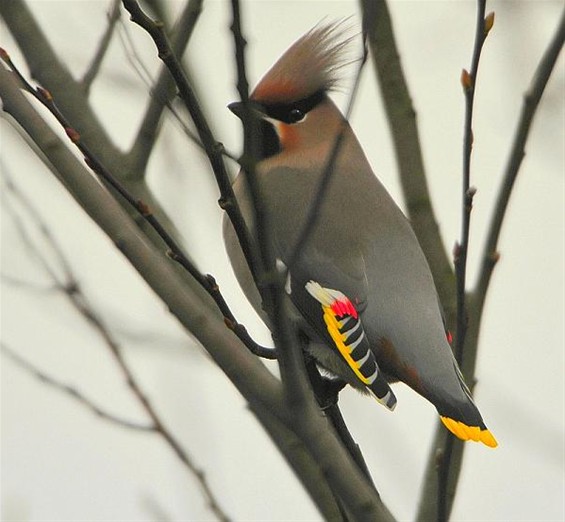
[(4, 56), (44, 93), (143, 208), (73, 134), (494, 257), (456, 252), (225, 203), (214, 287)]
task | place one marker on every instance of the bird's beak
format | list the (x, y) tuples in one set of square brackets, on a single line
[(238, 108)]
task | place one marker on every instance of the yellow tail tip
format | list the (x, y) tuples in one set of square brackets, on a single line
[(465, 432)]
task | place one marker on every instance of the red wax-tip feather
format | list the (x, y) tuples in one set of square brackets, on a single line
[(449, 337), (344, 307)]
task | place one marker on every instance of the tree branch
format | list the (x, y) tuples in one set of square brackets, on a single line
[(477, 297), (211, 146), (176, 253), (469, 83), (103, 46), (186, 299), (194, 309), (532, 98), (46, 68), (72, 392), (162, 93), (71, 288), (448, 477)]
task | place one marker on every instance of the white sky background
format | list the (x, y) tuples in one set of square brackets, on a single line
[(59, 462)]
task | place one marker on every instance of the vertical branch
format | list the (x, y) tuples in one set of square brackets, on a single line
[(441, 477), (353, 491), (212, 148), (469, 83), (532, 98), (94, 67), (446, 487), (269, 281), (162, 93)]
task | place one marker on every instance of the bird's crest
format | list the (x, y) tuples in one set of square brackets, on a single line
[(309, 65)]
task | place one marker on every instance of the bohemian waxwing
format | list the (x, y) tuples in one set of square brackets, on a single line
[(360, 284)]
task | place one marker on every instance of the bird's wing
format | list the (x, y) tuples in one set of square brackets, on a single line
[(332, 302)]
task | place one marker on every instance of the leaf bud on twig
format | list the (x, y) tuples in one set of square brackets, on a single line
[(466, 80), (489, 22), (45, 94), (4, 56), (456, 251), (73, 134), (495, 257)]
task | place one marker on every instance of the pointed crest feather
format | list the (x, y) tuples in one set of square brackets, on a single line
[(309, 65)]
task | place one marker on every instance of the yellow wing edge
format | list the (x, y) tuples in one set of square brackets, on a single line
[(465, 432)]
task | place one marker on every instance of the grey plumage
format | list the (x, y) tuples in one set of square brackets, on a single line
[(362, 245)]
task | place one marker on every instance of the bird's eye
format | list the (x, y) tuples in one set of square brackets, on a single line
[(296, 115)]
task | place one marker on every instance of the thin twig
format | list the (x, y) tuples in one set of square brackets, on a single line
[(103, 46), (532, 98), (489, 259), (176, 253), (269, 281), (211, 146), (61, 259), (162, 93), (71, 391), (469, 83), (27, 285), (72, 290)]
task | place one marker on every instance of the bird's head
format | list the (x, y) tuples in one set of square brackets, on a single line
[(291, 101)]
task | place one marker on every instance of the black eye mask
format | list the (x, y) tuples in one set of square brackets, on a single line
[(295, 111)]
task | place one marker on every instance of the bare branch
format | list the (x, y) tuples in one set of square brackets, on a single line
[(162, 93), (469, 83), (448, 477), (532, 98), (176, 253), (72, 290), (185, 298), (94, 67), (211, 146), (477, 297), (61, 260), (71, 391), (46, 68), (268, 280)]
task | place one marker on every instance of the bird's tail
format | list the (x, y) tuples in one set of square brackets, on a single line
[(462, 417), (465, 432)]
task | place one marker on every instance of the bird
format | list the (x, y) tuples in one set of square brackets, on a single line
[(360, 285)]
